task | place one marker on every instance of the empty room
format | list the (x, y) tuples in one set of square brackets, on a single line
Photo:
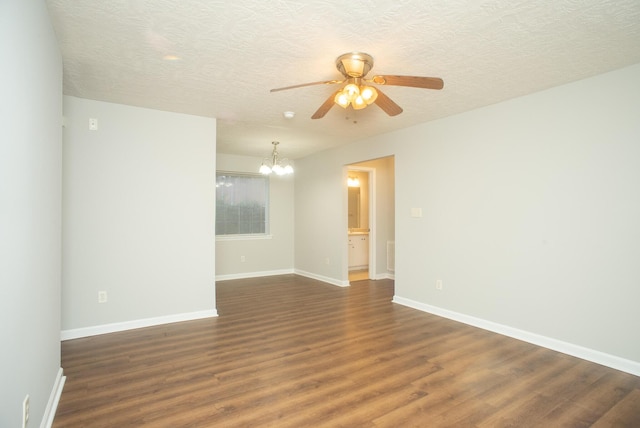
[(288, 214)]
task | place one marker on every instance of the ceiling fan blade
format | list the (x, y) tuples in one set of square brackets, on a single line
[(326, 82), (325, 107), (411, 81), (386, 104)]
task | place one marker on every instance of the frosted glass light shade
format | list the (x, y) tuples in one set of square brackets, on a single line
[(358, 103), (369, 94), (264, 169), (342, 99), (352, 91)]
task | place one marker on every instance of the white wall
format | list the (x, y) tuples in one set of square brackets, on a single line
[(321, 210), (262, 256), (530, 207), (139, 215), (30, 214)]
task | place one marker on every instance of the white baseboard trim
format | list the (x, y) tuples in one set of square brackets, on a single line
[(326, 279), (54, 399), (618, 363), (387, 275), (130, 325), (253, 274)]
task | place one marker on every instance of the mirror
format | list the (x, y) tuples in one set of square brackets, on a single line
[(354, 207)]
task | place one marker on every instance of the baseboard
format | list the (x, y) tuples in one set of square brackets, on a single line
[(130, 325), (326, 279), (322, 278), (244, 275), (54, 399), (618, 363)]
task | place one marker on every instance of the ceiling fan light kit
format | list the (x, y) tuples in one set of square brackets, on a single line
[(355, 94), (354, 66)]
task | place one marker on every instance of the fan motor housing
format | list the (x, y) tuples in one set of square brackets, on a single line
[(354, 64)]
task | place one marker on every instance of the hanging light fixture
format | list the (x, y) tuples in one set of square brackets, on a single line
[(356, 95), (275, 164)]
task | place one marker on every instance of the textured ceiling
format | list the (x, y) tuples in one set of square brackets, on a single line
[(230, 53)]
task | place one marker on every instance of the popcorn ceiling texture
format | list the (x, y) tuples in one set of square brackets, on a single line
[(230, 53)]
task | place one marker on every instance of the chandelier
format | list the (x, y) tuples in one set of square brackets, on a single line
[(356, 95), (275, 164)]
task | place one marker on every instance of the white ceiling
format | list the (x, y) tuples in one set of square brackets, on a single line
[(232, 52)]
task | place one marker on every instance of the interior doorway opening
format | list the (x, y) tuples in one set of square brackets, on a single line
[(360, 205), (370, 218)]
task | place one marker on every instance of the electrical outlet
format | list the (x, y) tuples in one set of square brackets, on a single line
[(438, 284), (93, 124), (328, 261), (243, 259), (25, 411), (102, 297)]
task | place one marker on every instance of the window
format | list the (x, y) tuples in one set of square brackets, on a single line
[(241, 204)]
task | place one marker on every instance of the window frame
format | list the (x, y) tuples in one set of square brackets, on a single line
[(267, 197)]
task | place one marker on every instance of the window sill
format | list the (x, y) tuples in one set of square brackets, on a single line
[(242, 237)]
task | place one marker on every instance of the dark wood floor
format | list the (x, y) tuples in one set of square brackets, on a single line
[(288, 351)]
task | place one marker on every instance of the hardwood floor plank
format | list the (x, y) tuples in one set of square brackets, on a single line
[(624, 414), (288, 351)]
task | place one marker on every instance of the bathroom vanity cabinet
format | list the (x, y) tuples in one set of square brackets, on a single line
[(358, 251)]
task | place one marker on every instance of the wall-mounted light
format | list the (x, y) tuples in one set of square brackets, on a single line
[(353, 182)]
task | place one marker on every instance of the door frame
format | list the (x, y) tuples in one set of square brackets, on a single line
[(372, 217)]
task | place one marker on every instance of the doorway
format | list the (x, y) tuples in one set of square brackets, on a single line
[(370, 216), (360, 184)]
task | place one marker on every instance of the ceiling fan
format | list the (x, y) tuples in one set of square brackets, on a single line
[(357, 92)]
